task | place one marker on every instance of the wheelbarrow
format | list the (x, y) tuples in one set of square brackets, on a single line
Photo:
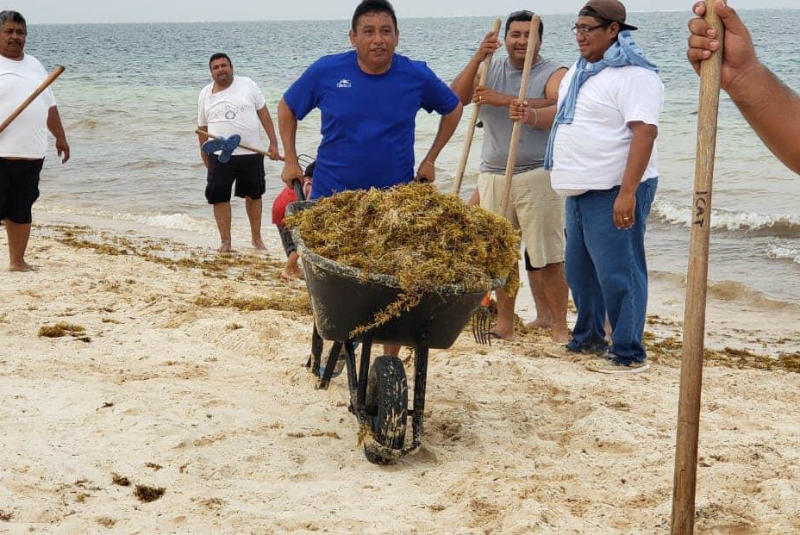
[(344, 298)]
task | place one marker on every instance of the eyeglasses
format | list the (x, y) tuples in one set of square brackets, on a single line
[(585, 30)]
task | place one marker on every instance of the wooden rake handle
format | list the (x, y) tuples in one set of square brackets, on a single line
[(39, 90), (476, 110), (533, 42), (685, 477), (245, 147)]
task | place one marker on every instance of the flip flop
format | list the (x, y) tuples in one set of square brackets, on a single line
[(226, 145)]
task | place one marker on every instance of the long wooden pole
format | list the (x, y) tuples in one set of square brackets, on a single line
[(685, 479), (476, 110), (39, 90), (533, 44), (245, 147)]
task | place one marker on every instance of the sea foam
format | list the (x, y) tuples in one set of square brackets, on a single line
[(728, 220)]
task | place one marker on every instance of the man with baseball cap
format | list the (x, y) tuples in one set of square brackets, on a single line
[(603, 159)]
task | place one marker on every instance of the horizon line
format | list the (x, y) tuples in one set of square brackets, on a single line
[(347, 19)]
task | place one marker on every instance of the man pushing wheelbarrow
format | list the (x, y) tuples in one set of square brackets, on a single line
[(369, 98), (368, 111)]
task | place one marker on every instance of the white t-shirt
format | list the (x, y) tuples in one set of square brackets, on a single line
[(233, 111), (26, 137), (592, 152)]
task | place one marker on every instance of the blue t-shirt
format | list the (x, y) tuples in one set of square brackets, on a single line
[(367, 120)]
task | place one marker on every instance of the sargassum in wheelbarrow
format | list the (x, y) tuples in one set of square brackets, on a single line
[(415, 233)]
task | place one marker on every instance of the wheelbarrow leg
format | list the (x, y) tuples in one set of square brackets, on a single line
[(330, 364), (420, 381), (360, 399), (316, 352)]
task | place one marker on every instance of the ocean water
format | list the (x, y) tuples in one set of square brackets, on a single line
[(129, 104)]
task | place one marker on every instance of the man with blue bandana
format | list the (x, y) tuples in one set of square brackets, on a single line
[(369, 99), (603, 159)]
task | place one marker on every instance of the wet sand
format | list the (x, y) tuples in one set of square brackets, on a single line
[(187, 375)]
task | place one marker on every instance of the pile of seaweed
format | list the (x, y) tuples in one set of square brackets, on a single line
[(412, 232)]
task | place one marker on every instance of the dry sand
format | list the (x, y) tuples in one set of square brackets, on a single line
[(212, 404)]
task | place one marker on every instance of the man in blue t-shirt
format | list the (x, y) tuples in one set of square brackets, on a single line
[(369, 99)]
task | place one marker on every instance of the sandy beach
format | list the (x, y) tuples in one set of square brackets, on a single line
[(183, 371)]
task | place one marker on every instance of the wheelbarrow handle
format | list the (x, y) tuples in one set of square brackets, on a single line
[(298, 190)]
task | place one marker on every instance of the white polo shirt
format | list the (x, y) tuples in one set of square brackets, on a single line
[(26, 137), (592, 152), (233, 111)]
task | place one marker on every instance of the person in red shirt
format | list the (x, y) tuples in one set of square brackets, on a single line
[(291, 271)]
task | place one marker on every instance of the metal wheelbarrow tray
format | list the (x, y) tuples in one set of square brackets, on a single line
[(344, 298)]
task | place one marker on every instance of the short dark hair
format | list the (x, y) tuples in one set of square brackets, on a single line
[(373, 6), (12, 16), (219, 55), (524, 16)]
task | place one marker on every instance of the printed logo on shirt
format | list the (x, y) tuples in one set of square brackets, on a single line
[(344, 83), (230, 115)]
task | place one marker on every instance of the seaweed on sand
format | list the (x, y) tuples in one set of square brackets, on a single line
[(415, 233), (148, 494), (60, 329)]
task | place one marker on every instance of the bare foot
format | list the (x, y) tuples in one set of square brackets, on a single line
[(288, 274), (560, 334), (259, 244), (225, 247), (500, 334), (540, 323), (24, 267)]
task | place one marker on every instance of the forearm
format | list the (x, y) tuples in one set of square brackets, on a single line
[(54, 123), (773, 110), (202, 139), (638, 157), (287, 125), (464, 84), (541, 118), (269, 126), (447, 126)]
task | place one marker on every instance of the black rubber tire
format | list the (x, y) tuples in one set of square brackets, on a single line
[(387, 405)]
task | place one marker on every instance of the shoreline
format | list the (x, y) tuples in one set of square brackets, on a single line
[(187, 376)]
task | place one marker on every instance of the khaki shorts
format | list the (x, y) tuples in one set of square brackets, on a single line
[(536, 210)]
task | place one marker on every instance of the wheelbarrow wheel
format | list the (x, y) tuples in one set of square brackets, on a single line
[(387, 406)]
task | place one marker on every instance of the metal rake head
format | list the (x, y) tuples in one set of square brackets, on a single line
[(481, 325)]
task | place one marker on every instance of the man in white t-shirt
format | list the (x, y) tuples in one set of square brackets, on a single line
[(235, 106), (603, 159), (24, 143)]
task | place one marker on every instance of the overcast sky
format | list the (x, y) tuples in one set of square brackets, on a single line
[(61, 11)]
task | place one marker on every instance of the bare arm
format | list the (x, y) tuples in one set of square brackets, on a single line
[(447, 125), (269, 128), (642, 142), (202, 139), (287, 125), (539, 113), (57, 129), (771, 108), (464, 84)]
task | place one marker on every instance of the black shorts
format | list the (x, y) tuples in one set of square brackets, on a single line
[(246, 170), (19, 189)]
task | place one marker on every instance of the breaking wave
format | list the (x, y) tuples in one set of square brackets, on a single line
[(783, 225)]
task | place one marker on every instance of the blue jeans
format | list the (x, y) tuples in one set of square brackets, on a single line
[(607, 272)]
